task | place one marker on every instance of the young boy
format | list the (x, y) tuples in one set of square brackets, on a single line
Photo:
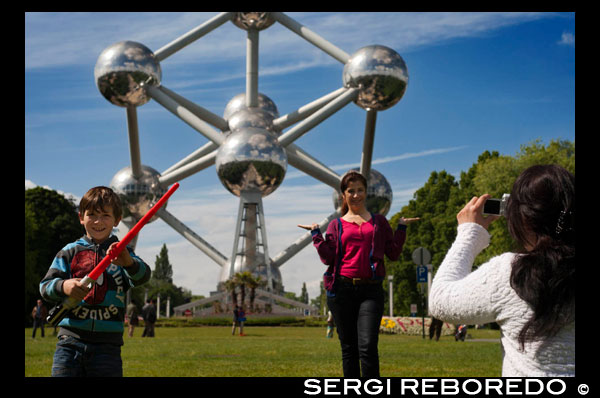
[(91, 335)]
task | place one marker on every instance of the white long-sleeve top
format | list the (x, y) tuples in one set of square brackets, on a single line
[(460, 296)]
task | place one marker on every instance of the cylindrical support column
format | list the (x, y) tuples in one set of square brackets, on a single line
[(367, 153), (134, 142), (193, 35), (252, 68)]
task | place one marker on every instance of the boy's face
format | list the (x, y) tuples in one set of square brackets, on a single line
[(98, 223)]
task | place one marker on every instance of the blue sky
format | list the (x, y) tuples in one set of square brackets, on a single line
[(477, 81)]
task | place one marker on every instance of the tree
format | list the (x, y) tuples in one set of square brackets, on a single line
[(441, 198), (163, 270), (304, 294), (51, 222)]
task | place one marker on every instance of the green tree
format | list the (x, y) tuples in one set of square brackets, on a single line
[(163, 270), (51, 222), (304, 294), (441, 198)]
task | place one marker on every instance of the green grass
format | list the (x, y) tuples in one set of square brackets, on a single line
[(280, 351)]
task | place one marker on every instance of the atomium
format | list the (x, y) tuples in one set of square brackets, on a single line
[(251, 145)]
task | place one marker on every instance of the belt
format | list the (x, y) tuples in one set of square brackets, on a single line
[(358, 281)]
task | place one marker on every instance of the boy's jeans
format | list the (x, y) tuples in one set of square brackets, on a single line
[(74, 358), (357, 311)]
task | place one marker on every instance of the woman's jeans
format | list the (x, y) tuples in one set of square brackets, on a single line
[(357, 312), (74, 358)]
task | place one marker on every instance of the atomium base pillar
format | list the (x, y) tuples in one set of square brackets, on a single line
[(250, 248)]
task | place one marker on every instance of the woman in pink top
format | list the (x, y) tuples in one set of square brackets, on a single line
[(354, 250)]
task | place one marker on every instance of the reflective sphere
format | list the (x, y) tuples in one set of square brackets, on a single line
[(379, 194), (258, 269), (137, 195), (253, 20), (251, 117), (239, 102), (123, 69), (381, 75), (251, 159)]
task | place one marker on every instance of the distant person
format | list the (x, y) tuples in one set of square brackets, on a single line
[(239, 317), (354, 250), (132, 315), (531, 293), (330, 325), (91, 335), (435, 329), (149, 316), (39, 314)]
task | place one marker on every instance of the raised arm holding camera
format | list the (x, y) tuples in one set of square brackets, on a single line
[(530, 294)]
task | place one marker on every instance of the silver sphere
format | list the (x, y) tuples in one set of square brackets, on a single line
[(251, 117), (379, 194), (239, 102), (258, 269), (137, 195), (381, 75), (251, 159), (123, 69), (253, 20)]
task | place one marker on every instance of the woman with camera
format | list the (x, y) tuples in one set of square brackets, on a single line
[(354, 249), (530, 294)]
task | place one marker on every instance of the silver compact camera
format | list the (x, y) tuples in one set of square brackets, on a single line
[(495, 207)]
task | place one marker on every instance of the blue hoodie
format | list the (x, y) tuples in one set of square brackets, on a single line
[(99, 317)]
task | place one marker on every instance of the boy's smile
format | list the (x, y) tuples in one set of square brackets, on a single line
[(98, 223)]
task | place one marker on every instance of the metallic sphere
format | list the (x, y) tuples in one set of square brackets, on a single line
[(381, 75), (251, 117), (123, 69), (239, 102), (251, 159), (379, 194), (253, 20), (137, 195)]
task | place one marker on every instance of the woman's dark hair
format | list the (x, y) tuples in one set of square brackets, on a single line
[(349, 177), (541, 208)]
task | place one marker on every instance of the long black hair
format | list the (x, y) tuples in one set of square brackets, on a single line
[(541, 217)]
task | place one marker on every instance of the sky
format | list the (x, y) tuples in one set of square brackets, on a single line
[(477, 82)]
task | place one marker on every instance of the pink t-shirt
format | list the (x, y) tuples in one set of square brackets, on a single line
[(357, 241)]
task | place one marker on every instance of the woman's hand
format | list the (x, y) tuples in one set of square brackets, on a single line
[(473, 212), (309, 227), (406, 221)]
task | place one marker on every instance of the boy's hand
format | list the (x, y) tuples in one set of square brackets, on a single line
[(123, 259), (74, 288)]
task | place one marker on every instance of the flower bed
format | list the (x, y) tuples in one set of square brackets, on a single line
[(411, 326)]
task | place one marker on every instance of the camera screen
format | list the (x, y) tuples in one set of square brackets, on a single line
[(491, 206)]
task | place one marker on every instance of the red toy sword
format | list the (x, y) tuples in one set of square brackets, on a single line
[(59, 312)]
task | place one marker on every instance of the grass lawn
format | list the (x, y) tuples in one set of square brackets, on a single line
[(281, 351)]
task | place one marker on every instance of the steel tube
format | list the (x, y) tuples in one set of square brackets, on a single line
[(184, 114), (252, 68), (367, 153), (317, 117), (134, 142), (191, 236), (311, 37), (197, 110), (193, 35), (306, 110), (306, 163), (188, 170)]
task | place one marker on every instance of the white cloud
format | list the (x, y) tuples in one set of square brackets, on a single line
[(30, 184), (567, 39)]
